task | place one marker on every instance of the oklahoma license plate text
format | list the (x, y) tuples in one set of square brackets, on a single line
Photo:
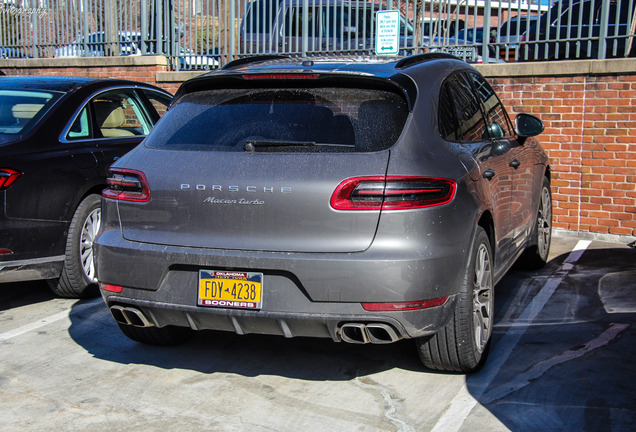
[(228, 289)]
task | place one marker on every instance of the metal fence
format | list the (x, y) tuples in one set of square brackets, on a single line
[(204, 34)]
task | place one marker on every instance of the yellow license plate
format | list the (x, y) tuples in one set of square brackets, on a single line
[(229, 289)]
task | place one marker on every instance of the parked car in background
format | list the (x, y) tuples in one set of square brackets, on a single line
[(571, 29), (58, 137), (446, 29), (469, 45), (276, 26), (508, 36), (96, 44), (9, 53), (362, 201)]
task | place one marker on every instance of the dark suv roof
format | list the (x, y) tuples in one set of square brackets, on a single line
[(356, 66)]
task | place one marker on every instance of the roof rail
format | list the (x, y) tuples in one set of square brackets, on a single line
[(254, 59), (420, 58)]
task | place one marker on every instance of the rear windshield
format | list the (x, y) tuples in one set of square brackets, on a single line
[(287, 120), (20, 109)]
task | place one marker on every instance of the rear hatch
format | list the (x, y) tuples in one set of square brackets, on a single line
[(256, 168)]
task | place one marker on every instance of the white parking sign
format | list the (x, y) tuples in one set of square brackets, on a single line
[(387, 37)]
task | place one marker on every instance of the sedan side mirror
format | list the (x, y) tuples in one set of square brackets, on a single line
[(527, 125)]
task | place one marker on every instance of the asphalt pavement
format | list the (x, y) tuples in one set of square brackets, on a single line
[(561, 360)]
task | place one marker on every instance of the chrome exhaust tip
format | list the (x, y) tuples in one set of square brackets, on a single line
[(376, 333), (382, 333), (354, 333), (130, 316)]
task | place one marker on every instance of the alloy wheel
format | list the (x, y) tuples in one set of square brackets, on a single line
[(87, 239), (544, 221), (482, 298)]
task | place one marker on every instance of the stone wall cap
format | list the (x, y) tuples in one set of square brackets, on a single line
[(65, 62), (559, 68)]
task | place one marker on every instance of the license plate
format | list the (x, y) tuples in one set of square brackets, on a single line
[(228, 289)]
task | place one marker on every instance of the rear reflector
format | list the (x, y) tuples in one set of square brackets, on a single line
[(8, 176), (5, 251), (127, 185), (388, 307), (111, 288), (392, 193)]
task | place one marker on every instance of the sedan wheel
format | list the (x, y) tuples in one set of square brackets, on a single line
[(78, 278), (88, 235)]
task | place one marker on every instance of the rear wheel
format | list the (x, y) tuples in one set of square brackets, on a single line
[(78, 279), (169, 335), (462, 345), (536, 255)]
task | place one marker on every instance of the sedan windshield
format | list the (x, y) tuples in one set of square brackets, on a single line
[(20, 109)]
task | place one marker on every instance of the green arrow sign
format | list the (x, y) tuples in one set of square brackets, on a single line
[(387, 37)]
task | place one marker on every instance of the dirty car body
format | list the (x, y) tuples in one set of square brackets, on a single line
[(337, 199)]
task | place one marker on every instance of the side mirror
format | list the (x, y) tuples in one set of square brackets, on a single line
[(527, 125)]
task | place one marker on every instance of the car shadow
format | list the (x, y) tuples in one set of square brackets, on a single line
[(247, 355), (17, 294), (570, 368), (554, 378)]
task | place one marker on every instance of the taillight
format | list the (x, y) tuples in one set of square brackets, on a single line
[(127, 185), (405, 306), (277, 76), (8, 176), (392, 193)]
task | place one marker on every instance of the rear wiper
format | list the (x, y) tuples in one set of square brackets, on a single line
[(253, 145)]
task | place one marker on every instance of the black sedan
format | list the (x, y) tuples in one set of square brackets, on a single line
[(58, 136)]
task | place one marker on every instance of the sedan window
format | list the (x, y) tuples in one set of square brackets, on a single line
[(20, 109), (114, 114)]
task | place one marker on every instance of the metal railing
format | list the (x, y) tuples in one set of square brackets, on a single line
[(205, 34)]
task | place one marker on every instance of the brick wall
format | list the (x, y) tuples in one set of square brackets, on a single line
[(589, 109), (590, 137)]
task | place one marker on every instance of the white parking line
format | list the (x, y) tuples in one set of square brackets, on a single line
[(464, 401), (33, 326)]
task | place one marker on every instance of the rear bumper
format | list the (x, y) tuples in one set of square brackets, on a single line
[(310, 295), (327, 320)]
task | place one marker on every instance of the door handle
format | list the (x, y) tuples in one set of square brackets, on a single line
[(515, 164), (488, 174)]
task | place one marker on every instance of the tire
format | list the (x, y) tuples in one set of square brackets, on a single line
[(536, 254), (169, 335), (463, 344), (78, 279)]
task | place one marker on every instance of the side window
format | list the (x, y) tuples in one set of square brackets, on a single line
[(159, 102), (112, 114), (293, 24), (81, 126), (260, 16), (460, 116), (497, 120)]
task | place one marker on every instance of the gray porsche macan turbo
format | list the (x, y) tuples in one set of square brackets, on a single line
[(365, 201)]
